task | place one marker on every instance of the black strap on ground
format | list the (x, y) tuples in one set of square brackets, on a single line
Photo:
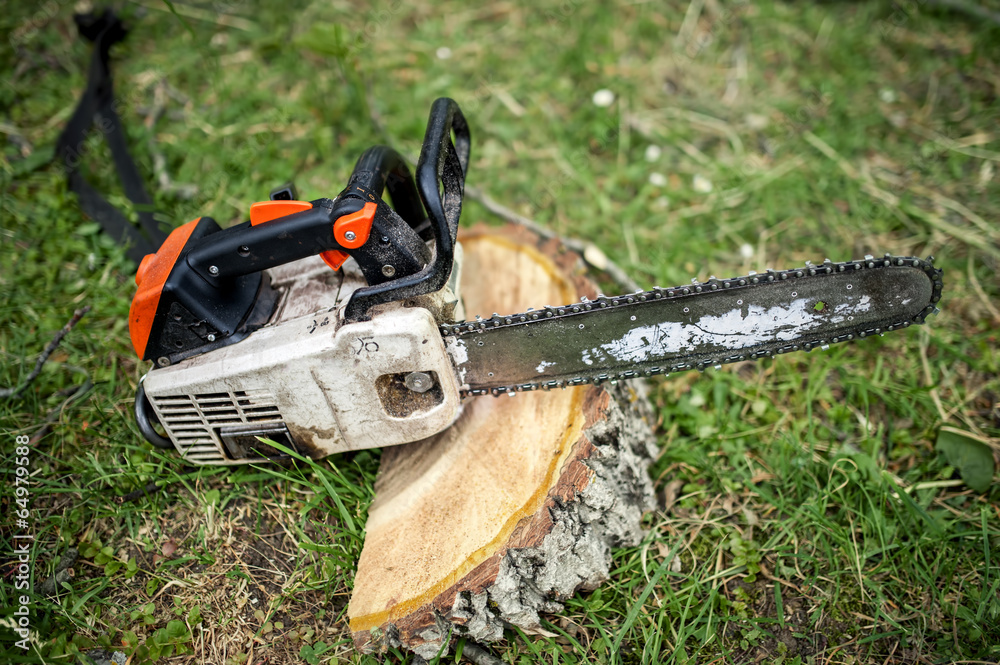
[(95, 114)]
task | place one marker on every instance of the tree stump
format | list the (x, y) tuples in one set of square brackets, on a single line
[(515, 507)]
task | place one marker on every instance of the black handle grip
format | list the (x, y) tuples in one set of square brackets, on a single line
[(441, 172), (443, 164), (380, 168)]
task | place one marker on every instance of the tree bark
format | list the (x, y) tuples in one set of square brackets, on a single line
[(517, 506)]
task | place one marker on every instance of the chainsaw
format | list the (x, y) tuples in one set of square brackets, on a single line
[(337, 324)]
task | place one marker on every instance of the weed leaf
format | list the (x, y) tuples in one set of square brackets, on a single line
[(972, 457)]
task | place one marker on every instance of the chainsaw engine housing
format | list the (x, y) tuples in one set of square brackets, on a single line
[(310, 381)]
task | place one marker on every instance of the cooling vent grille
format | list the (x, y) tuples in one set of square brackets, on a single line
[(193, 420)]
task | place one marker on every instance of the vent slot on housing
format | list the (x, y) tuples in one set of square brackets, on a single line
[(196, 421)]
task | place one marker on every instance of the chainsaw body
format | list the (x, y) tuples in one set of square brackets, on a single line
[(314, 324), (311, 381), (255, 341)]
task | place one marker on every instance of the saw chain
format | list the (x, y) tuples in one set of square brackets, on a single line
[(564, 326)]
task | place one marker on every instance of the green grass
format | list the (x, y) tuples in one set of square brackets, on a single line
[(812, 518)]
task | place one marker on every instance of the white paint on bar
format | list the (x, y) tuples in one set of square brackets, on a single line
[(542, 365), (736, 329)]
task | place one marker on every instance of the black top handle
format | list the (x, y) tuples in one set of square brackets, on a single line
[(381, 168), (442, 166), (441, 172)]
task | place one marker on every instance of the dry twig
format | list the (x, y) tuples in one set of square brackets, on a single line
[(62, 573), (72, 394), (48, 351)]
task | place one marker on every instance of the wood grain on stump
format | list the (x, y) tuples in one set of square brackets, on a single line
[(516, 506)]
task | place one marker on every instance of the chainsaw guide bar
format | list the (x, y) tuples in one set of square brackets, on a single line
[(692, 327)]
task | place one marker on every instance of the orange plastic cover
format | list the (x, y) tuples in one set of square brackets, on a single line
[(334, 258), (359, 223), (265, 211), (150, 278)]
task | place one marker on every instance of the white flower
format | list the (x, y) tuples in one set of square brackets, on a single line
[(701, 184), (653, 153), (443, 53), (604, 98), (746, 250), (657, 179)]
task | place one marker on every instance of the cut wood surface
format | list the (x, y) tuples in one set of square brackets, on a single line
[(517, 505)]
